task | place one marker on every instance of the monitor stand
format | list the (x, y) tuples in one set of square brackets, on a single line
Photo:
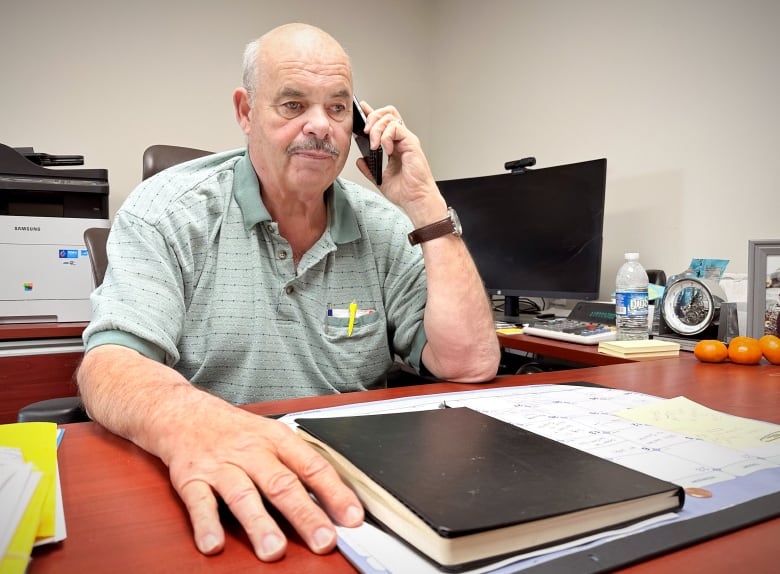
[(512, 313), (522, 319)]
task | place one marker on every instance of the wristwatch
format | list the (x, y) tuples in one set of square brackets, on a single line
[(451, 224)]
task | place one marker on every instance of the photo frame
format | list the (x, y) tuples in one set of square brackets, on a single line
[(763, 297)]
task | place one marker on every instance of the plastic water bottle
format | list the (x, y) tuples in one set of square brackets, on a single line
[(631, 300)]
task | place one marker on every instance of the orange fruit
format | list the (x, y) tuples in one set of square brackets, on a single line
[(770, 347), (745, 351), (711, 351)]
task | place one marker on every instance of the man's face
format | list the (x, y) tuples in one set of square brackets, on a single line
[(300, 126)]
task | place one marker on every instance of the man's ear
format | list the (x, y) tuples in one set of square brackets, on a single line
[(243, 108)]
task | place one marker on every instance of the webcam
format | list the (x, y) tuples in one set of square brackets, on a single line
[(520, 165)]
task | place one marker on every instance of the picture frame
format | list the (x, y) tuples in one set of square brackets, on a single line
[(763, 297)]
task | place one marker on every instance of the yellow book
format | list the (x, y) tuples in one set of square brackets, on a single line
[(17, 556), (38, 443)]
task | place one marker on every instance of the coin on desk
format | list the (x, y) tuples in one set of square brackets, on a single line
[(698, 492)]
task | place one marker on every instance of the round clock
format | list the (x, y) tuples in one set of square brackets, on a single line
[(690, 305)]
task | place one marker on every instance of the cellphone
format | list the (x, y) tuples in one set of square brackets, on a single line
[(373, 157)]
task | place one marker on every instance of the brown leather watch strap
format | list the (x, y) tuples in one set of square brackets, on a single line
[(449, 225)]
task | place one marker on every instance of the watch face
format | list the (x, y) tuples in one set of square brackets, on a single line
[(457, 228), (688, 306)]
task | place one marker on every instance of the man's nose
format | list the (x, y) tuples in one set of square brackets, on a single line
[(317, 122)]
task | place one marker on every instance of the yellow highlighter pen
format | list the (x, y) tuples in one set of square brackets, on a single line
[(352, 313)]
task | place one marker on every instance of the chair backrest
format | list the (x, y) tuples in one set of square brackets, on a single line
[(156, 158), (160, 157), (95, 242), (69, 409)]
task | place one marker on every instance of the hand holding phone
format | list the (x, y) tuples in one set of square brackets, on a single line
[(373, 157)]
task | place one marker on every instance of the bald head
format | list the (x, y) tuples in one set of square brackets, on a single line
[(296, 110), (294, 44)]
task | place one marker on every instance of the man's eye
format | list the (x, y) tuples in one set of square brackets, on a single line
[(338, 111), (290, 109)]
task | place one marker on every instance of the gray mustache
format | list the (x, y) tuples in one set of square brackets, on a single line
[(314, 144)]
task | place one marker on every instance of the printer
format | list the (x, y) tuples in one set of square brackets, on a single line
[(45, 273)]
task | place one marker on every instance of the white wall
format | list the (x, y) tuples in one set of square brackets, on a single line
[(106, 79), (681, 97)]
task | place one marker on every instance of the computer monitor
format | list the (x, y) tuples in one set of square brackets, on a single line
[(537, 233)]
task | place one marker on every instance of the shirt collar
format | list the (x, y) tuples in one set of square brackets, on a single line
[(246, 190), (342, 220)]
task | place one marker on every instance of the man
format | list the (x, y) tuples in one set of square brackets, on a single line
[(258, 274)]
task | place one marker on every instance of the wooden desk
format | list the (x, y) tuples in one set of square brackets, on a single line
[(27, 378), (123, 516), (10, 331), (574, 352)]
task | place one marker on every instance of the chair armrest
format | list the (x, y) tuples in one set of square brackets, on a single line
[(60, 410)]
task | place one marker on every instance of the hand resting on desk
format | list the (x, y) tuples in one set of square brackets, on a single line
[(214, 449)]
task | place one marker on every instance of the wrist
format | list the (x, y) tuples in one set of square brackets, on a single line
[(427, 211)]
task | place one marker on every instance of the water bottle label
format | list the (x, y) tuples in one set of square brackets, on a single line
[(632, 304)]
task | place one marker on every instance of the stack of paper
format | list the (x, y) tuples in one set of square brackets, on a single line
[(29, 492), (641, 349)]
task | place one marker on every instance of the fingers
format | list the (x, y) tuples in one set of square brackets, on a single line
[(279, 465), (340, 502), (384, 126), (202, 508), (300, 465), (394, 131), (243, 499), (284, 490)]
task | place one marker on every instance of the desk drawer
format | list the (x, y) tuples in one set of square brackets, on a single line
[(25, 379)]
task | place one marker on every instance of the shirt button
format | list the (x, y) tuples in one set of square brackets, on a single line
[(289, 289), (282, 254)]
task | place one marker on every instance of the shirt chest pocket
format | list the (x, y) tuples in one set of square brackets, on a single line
[(364, 352), (361, 326)]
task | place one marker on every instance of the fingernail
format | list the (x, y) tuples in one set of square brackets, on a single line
[(208, 544), (323, 539), (271, 547), (354, 516)]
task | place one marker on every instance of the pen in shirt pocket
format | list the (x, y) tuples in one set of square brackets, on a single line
[(352, 312)]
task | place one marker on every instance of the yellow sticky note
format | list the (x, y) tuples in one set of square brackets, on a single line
[(687, 417), (510, 330)]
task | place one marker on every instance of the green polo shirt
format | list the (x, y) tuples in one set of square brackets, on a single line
[(199, 278)]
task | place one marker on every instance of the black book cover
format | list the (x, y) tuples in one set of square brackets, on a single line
[(463, 472)]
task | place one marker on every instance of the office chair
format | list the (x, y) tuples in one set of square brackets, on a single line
[(159, 157), (63, 410), (95, 240)]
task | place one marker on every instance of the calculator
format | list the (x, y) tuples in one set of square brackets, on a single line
[(588, 323), (571, 330)]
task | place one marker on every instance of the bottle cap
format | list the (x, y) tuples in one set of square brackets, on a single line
[(632, 256)]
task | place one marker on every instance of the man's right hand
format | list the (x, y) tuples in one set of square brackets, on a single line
[(238, 456), (213, 449)]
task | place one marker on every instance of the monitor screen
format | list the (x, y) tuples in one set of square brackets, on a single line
[(536, 233)]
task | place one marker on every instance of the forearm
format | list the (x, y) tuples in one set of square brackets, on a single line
[(213, 449), (462, 342), (139, 399)]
